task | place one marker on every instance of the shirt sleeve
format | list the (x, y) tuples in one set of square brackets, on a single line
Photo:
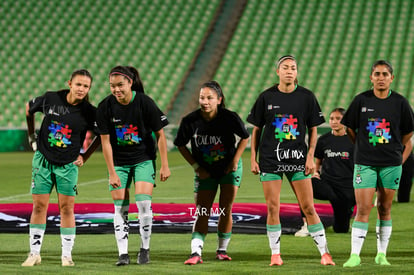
[(92, 123), (154, 117), (102, 118), (351, 116), (407, 118), (183, 136), (319, 148), (316, 117), (37, 104), (240, 129), (256, 115)]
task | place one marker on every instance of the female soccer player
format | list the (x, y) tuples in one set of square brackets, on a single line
[(380, 123), (332, 179), (67, 117), (126, 120), (215, 158), (285, 111)]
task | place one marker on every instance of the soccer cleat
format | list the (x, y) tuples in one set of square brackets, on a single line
[(327, 259), (381, 259), (32, 259), (353, 261), (123, 260), (143, 256), (67, 261), (303, 231), (276, 260), (222, 255), (195, 258)]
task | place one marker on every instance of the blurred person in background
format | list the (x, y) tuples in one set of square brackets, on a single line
[(332, 179)]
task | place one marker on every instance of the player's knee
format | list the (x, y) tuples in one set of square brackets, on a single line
[(39, 208), (273, 211), (66, 210), (225, 208), (145, 218), (383, 210), (308, 210)]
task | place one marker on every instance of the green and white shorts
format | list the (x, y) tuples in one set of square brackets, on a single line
[(372, 176), (143, 171), (233, 178), (291, 176), (46, 175)]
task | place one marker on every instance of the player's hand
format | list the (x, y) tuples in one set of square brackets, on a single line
[(114, 181), (316, 175), (165, 173), (79, 161), (232, 167), (32, 142), (254, 167), (309, 166), (202, 173)]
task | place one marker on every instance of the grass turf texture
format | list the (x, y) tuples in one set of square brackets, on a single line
[(97, 253)]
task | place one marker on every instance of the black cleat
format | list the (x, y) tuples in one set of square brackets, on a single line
[(123, 260), (143, 256)]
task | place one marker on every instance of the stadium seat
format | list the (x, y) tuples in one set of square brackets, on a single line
[(46, 42), (335, 43)]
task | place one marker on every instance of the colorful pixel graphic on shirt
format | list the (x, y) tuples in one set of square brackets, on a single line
[(285, 127), (378, 131), (59, 134), (213, 152), (127, 135)]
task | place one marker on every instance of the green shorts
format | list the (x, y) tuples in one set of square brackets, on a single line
[(143, 171), (46, 175), (373, 177), (291, 176), (233, 178)]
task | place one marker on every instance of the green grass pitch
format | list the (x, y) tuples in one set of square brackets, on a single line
[(97, 253)]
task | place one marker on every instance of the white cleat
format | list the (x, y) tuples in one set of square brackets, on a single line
[(67, 261), (303, 232), (32, 259)]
